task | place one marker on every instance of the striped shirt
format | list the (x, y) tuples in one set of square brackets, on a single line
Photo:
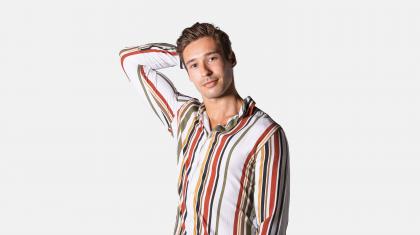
[(232, 179)]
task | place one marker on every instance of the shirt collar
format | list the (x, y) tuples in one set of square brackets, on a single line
[(246, 108)]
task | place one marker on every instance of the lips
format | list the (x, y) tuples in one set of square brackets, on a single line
[(210, 83)]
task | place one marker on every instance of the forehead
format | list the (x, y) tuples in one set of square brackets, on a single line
[(199, 48)]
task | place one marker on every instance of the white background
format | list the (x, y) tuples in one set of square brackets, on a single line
[(82, 153)]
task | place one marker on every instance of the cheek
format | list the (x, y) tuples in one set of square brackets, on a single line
[(195, 81), (193, 74)]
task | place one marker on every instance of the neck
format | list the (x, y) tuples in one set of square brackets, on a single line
[(221, 109)]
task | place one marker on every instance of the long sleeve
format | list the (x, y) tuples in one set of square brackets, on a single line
[(141, 65), (271, 192)]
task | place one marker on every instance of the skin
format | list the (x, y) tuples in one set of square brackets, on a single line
[(204, 62)]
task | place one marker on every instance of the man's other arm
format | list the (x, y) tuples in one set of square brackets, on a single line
[(271, 192), (141, 65)]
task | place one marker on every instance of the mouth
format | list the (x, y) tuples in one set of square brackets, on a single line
[(210, 83)]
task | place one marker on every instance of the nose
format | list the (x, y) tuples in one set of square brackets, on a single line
[(205, 71)]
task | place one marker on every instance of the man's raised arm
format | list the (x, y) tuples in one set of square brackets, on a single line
[(140, 64)]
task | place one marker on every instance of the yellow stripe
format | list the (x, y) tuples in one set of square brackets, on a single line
[(199, 182)]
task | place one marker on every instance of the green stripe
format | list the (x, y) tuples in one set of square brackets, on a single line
[(179, 146), (225, 175), (185, 119)]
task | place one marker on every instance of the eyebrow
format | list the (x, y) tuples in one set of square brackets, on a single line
[(208, 53)]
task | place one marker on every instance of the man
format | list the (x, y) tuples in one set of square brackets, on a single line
[(232, 158)]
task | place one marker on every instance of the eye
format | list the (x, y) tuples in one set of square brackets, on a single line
[(213, 58), (193, 66)]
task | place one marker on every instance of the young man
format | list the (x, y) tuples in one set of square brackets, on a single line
[(232, 158)]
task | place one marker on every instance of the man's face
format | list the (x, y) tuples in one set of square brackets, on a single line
[(211, 74)]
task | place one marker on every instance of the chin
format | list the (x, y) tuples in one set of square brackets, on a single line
[(210, 93), (211, 96), (214, 92)]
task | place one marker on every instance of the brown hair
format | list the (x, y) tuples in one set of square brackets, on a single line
[(199, 30)]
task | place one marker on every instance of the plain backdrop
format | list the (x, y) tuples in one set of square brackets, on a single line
[(82, 153)]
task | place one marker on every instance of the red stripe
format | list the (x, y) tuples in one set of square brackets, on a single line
[(213, 169), (157, 92), (273, 185), (251, 109), (274, 172), (148, 81), (238, 203), (182, 228), (187, 163), (145, 51)]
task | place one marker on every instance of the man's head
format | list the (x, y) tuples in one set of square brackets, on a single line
[(199, 30), (206, 53)]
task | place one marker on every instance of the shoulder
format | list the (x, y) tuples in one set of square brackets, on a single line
[(266, 127), (192, 103), (187, 108), (263, 119)]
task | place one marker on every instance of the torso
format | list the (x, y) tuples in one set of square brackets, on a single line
[(214, 165)]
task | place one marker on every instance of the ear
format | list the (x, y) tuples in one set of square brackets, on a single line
[(232, 59)]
